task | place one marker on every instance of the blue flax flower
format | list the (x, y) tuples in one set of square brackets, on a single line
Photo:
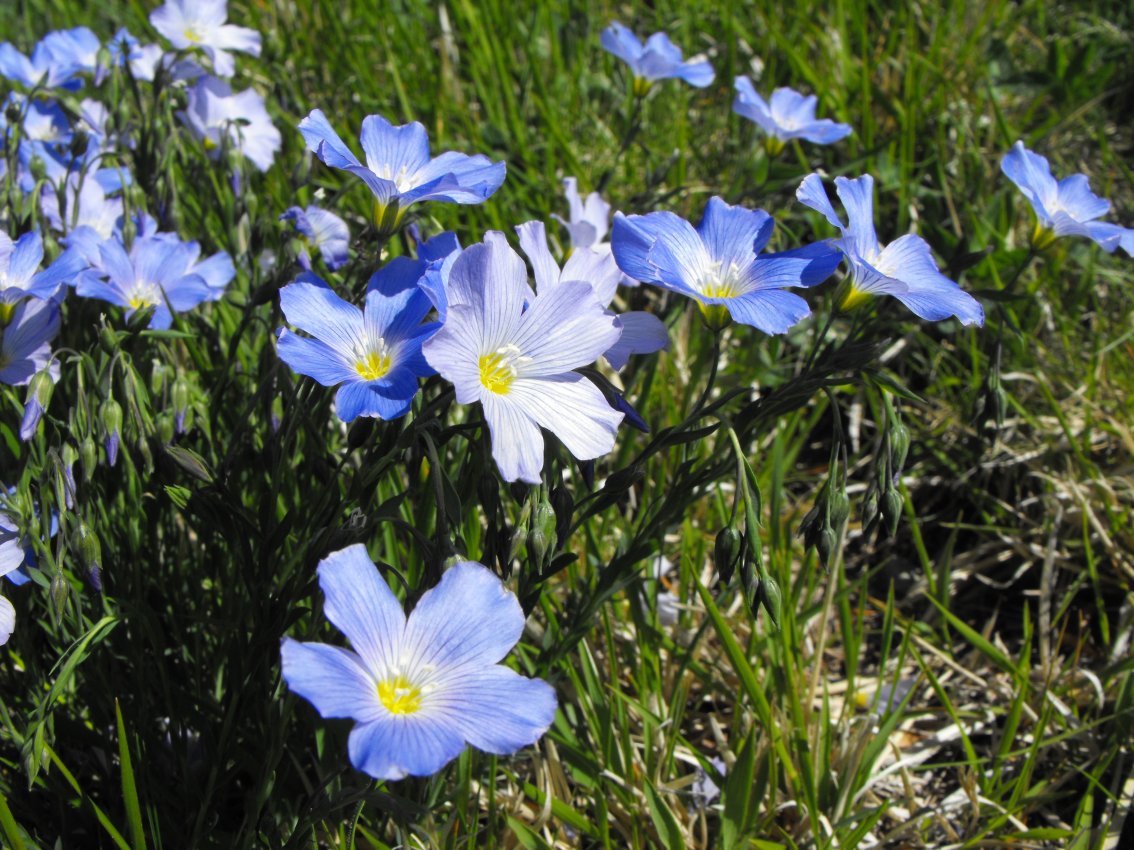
[(160, 271), (419, 688), (588, 223), (720, 266), (658, 59), (1065, 207), (788, 115), (372, 355), (514, 352), (201, 24), (55, 62), (25, 340), (217, 117), (904, 269), (399, 170), (322, 230), (20, 275)]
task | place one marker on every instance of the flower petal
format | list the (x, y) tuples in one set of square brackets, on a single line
[(773, 311), (363, 608), (642, 333), (395, 152), (332, 679), (393, 747), (620, 41), (571, 408), (324, 142), (517, 444), (734, 235), (931, 295), (312, 306), (315, 359), (562, 330), (533, 242), (498, 710), (7, 620), (470, 617), (1032, 176), (812, 194), (858, 199)]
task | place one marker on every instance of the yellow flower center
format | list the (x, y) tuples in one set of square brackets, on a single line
[(373, 366), (399, 695), (192, 35), (6, 313), (1042, 237), (144, 295), (721, 289), (853, 298), (497, 370)]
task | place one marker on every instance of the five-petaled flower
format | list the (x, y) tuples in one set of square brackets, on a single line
[(20, 275), (399, 170), (904, 269), (1065, 207), (372, 355), (322, 230), (419, 688), (657, 59), (160, 272), (201, 24), (216, 116), (787, 115), (518, 362), (719, 264)]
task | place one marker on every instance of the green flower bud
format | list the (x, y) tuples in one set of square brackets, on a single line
[(84, 543), (891, 509), (88, 451), (899, 446), (771, 598), (111, 416), (726, 552)]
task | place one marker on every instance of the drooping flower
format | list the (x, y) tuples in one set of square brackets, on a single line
[(201, 24), (215, 115), (720, 266), (1065, 207), (25, 340), (419, 688), (658, 59), (399, 170), (372, 355), (20, 275), (904, 269), (322, 230), (642, 332), (160, 271), (56, 61), (788, 115), (518, 362)]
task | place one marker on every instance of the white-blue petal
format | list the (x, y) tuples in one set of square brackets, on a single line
[(812, 194), (332, 679), (396, 746), (498, 710), (363, 608), (470, 617)]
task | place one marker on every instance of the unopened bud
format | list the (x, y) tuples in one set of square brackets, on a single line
[(85, 544), (899, 446), (771, 598), (726, 552), (88, 452), (891, 509), (60, 590), (870, 508)]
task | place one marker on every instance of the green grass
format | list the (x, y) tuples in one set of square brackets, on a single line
[(963, 681)]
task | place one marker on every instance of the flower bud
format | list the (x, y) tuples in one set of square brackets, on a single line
[(771, 598), (60, 590), (541, 536), (899, 446), (84, 543), (870, 508), (111, 415), (88, 452), (38, 397), (891, 509), (825, 544), (726, 552)]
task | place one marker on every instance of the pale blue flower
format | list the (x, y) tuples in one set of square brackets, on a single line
[(322, 230), (514, 352), (219, 118), (399, 170), (588, 223), (658, 59), (190, 24), (372, 355), (127, 51), (642, 332), (160, 271), (57, 61), (788, 115), (904, 269), (1065, 207), (7, 620), (419, 688), (720, 266)]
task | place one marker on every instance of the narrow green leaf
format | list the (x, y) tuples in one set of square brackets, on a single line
[(737, 796), (8, 824), (978, 640), (669, 833), (129, 787)]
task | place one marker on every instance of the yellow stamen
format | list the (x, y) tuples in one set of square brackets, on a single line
[(374, 366), (721, 289), (192, 35), (399, 696), (497, 372)]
